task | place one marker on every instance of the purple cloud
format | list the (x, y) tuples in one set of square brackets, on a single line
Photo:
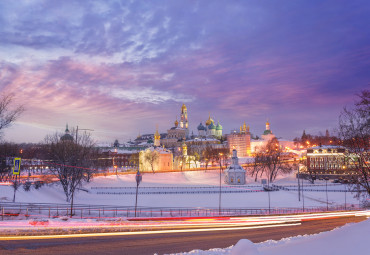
[(122, 67)]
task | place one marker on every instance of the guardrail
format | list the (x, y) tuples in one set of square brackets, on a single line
[(16, 211)]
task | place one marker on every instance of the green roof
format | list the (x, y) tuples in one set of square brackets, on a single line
[(267, 132)]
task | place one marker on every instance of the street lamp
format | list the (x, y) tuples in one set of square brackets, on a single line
[(327, 201), (345, 197), (138, 180), (299, 186), (219, 199)]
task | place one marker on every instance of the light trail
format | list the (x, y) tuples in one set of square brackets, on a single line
[(9, 238), (208, 223)]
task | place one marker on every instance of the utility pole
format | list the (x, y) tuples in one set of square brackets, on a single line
[(299, 186), (327, 201), (219, 199), (138, 177), (85, 129), (302, 195)]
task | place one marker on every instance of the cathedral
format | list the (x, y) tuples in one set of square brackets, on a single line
[(180, 131), (210, 129)]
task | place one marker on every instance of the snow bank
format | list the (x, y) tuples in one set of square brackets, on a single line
[(350, 239), (244, 247)]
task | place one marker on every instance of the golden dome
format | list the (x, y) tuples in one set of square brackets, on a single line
[(176, 123), (157, 133), (209, 121), (183, 108)]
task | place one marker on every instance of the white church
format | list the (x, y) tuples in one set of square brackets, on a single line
[(235, 173)]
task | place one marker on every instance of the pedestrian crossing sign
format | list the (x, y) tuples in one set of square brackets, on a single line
[(17, 166)]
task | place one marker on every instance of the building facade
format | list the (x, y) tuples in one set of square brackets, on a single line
[(240, 141), (328, 161), (154, 159)]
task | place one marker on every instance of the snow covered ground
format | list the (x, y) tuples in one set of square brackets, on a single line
[(349, 239), (53, 193)]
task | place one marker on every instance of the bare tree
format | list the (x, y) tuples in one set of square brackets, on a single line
[(269, 161), (134, 160), (354, 130), (8, 114), (207, 154), (152, 158), (8, 151), (71, 162)]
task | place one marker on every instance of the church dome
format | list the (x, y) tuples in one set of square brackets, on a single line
[(66, 136), (212, 126), (209, 121), (176, 123), (267, 132), (201, 127), (218, 127), (183, 108)]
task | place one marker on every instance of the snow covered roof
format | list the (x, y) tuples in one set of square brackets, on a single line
[(235, 168)]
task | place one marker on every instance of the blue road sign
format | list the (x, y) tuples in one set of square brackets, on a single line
[(17, 166)]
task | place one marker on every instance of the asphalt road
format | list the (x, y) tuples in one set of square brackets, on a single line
[(166, 243)]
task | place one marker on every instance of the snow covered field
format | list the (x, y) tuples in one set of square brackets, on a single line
[(349, 239), (254, 197)]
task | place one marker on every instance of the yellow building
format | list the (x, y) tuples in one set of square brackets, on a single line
[(155, 159), (240, 141)]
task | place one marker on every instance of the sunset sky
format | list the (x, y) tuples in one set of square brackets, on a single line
[(123, 67)]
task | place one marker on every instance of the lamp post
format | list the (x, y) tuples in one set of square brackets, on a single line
[(219, 199), (299, 187), (327, 201), (138, 180), (302, 195), (345, 197)]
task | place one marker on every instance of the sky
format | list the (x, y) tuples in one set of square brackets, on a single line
[(123, 67)]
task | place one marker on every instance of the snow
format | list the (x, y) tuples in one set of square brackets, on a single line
[(244, 246), (254, 198), (349, 239)]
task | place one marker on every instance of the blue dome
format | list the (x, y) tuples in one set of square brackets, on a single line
[(201, 127), (212, 126)]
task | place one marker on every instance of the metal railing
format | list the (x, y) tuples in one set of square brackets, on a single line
[(16, 211)]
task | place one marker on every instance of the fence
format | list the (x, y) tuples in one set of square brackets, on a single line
[(314, 190), (15, 211), (174, 190)]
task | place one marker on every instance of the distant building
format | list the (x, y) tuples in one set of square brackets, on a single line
[(210, 129), (67, 136), (157, 138), (179, 132), (235, 173), (154, 159), (240, 141), (185, 161), (328, 161), (266, 136)]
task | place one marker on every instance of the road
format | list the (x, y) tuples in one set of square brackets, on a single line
[(166, 243)]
